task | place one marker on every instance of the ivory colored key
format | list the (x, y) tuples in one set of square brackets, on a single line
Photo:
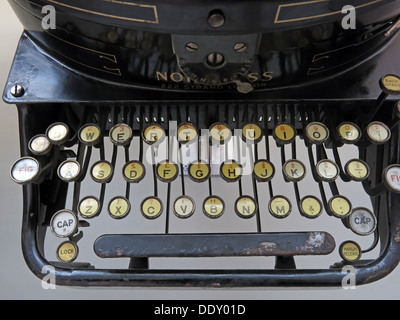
[(184, 207), (67, 252), (378, 132), (133, 171), (89, 207), (251, 132), (280, 207), (263, 170), (327, 170), (357, 169), (89, 134), (231, 171), (294, 170), (69, 170), (119, 207), (310, 207), (348, 132), (316, 133), (220, 132), (102, 171), (390, 84), (25, 170), (199, 171), (151, 207), (187, 132), (57, 133), (39, 145), (284, 133), (350, 251), (362, 221), (64, 223), (340, 206), (245, 207), (213, 207), (121, 134), (167, 171), (153, 133), (391, 178)]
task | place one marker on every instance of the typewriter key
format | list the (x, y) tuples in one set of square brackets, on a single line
[(39, 145), (362, 221), (263, 170), (231, 171), (350, 251), (294, 170), (67, 252), (220, 132), (378, 132), (199, 171), (151, 207), (316, 133), (357, 170), (187, 132), (252, 132), (153, 133), (89, 207), (280, 207), (89, 134), (391, 178), (69, 170), (167, 171), (213, 207), (119, 207), (57, 133), (340, 206), (133, 171), (310, 207), (284, 133), (245, 207), (390, 84), (102, 171), (327, 170), (348, 132), (64, 223), (121, 134), (184, 207), (25, 170)]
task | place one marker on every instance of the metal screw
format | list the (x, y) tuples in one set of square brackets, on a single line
[(240, 47), (216, 19), (17, 91), (215, 59), (191, 47)]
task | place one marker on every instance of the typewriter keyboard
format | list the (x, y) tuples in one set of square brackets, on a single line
[(210, 180)]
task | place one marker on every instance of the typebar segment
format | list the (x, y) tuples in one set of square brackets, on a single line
[(214, 245)]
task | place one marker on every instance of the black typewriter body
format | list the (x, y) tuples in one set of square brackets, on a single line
[(140, 116)]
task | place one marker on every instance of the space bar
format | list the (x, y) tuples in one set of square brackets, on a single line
[(214, 245)]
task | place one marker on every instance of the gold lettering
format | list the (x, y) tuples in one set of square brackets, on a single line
[(163, 76)]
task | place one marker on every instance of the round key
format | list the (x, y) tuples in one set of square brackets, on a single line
[(186, 132), (263, 170), (151, 207), (25, 170), (327, 170), (231, 171), (378, 132), (167, 171), (69, 170), (340, 206), (390, 84), (245, 207), (251, 132), (284, 133), (220, 132), (348, 133), (89, 207), (64, 223), (119, 207), (317, 133), (133, 171), (39, 145), (213, 207), (294, 170), (89, 134), (310, 207), (357, 170), (280, 207), (102, 171), (67, 252), (121, 134), (153, 133), (184, 207), (362, 221), (57, 133), (391, 178), (350, 251), (199, 171)]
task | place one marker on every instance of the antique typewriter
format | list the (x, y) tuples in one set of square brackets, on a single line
[(208, 143)]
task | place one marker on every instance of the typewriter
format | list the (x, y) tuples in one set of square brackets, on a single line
[(208, 143)]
